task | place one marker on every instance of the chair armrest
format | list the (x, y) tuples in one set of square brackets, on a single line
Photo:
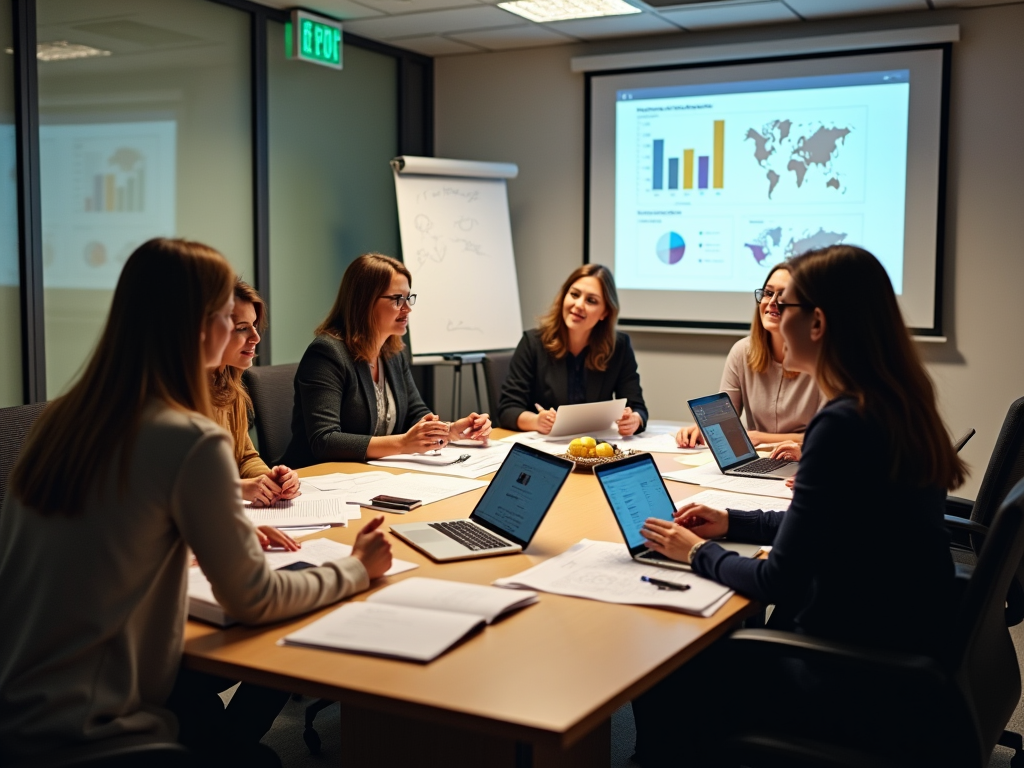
[(955, 523), (795, 646), (959, 506)]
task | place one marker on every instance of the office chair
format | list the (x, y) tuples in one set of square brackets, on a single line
[(972, 683), (124, 752), (15, 424), (495, 371), (272, 390)]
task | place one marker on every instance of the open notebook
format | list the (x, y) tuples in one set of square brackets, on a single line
[(416, 619)]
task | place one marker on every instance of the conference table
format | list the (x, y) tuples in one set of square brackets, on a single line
[(536, 688)]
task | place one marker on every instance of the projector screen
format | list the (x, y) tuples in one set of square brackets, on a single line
[(702, 178)]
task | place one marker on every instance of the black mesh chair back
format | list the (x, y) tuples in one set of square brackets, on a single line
[(15, 424), (1005, 467), (496, 366), (272, 390)]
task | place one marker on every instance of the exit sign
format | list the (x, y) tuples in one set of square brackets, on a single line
[(308, 37)]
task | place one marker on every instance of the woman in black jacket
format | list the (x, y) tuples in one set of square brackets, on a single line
[(574, 356)]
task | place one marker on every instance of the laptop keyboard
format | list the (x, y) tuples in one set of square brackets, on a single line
[(762, 466), (469, 535)]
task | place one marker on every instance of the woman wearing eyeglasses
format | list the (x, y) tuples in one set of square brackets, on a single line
[(891, 594), (779, 403), (354, 394)]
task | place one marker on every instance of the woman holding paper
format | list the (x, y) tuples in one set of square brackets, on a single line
[(779, 403), (354, 394), (119, 479), (574, 356), (231, 406), (886, 594)]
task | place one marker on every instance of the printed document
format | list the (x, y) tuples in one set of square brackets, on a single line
[(457, 460), (710, 476)]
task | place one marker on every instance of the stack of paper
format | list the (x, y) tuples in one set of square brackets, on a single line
[(601, 570), (416, 619), (203, 605), (482, 460), (710, 476)]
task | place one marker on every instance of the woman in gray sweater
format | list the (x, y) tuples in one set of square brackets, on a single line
[(354, 394)]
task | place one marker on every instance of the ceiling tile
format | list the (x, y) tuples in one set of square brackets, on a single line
[(338, 9), (434, 45), (433, 22), (614, 26), (513, 37), (730, 15), (399, 7), (815, 9)]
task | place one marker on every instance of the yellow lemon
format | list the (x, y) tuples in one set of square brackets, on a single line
[(589, 442), (592, 453), (577, 449), (604, 450)]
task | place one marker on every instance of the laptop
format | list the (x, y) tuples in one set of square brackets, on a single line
[(729, 442), (635, 491), (507, 515), (584, 418)]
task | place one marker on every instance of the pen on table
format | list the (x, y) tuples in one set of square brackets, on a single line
[(662, 584)]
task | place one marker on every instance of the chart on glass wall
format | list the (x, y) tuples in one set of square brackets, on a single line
[(715, 184), (106, 188)]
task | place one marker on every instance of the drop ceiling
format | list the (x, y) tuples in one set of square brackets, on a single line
[(447, 27)]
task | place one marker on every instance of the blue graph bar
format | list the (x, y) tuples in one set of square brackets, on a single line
[(673, 173), (702, 172), (658, 164)]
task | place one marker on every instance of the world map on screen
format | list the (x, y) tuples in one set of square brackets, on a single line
[(800, 152)]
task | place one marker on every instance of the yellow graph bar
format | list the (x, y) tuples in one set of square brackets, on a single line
[(718, 179), (687, 169)]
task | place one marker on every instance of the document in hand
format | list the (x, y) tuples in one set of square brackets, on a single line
[(602, 570), (417, 619), (203, 605)]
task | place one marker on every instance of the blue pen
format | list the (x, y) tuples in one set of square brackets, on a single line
[(662, 584)]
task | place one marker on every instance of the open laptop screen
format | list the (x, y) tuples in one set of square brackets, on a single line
[(721, 427), (635, 492), (521, 492)]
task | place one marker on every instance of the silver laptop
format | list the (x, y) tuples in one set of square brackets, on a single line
[(635, 491), (582, 418), (729, 442), (506, 517)]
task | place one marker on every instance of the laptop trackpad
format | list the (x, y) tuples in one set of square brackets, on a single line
[(425, 536)]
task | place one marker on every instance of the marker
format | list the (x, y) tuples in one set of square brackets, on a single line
[(662, 584)]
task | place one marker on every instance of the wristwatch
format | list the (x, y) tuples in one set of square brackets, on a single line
[(694, 548)]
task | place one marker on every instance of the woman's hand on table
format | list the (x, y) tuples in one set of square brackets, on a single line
[(427, 434), (689, 437), (262, 491), (629, 423), (373, 549), (669, 539), (545, 419), (707, 521), (272, 538), (788, 450), (288, 480), (476, 426)]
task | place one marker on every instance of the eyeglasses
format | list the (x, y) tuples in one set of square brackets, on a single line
[(782, 305), (764, 293), (767, 293), (398, 300)]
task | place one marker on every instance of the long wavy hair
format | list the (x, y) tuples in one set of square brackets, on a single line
[(869, 356), (759, 355), (554, 334), (352, 319), (145, 352), (231, 402)]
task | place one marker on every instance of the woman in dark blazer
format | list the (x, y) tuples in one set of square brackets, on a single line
[(354, 394), (574, 356)]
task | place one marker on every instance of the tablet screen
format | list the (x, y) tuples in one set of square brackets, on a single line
[(635, 492)]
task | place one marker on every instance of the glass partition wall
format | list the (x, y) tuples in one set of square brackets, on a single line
[(10, 278)]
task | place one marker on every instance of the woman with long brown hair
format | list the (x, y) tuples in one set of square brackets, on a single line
[(354, 394), (575, 355), (779, 403), (119, 479), (889, 594)]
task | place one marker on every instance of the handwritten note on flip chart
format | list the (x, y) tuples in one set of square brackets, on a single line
[(457, 243)]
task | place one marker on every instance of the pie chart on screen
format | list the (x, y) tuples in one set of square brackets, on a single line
[(671, 248)]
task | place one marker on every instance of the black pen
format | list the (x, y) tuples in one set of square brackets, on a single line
[(662, 584)]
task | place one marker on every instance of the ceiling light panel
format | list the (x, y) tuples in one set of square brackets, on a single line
[(563, 10), (62, 50)]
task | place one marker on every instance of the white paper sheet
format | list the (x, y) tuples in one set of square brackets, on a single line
[(726, 500), (710, 476), (440, 595), (483, 460), (602, 570)]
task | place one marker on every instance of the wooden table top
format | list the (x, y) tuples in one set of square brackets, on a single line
[(550, 672)]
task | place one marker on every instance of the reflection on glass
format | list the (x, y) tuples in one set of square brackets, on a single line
[(11, 392), (145, 132)]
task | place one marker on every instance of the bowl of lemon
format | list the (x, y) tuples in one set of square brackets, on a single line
[(587, 452)]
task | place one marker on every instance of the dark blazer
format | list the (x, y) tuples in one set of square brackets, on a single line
[(335, 410), (536, 377), (857, 557)]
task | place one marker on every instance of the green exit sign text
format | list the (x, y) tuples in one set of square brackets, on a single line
[(313, 38)]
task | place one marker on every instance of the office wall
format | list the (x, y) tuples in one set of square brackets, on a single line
[(527, 107)]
